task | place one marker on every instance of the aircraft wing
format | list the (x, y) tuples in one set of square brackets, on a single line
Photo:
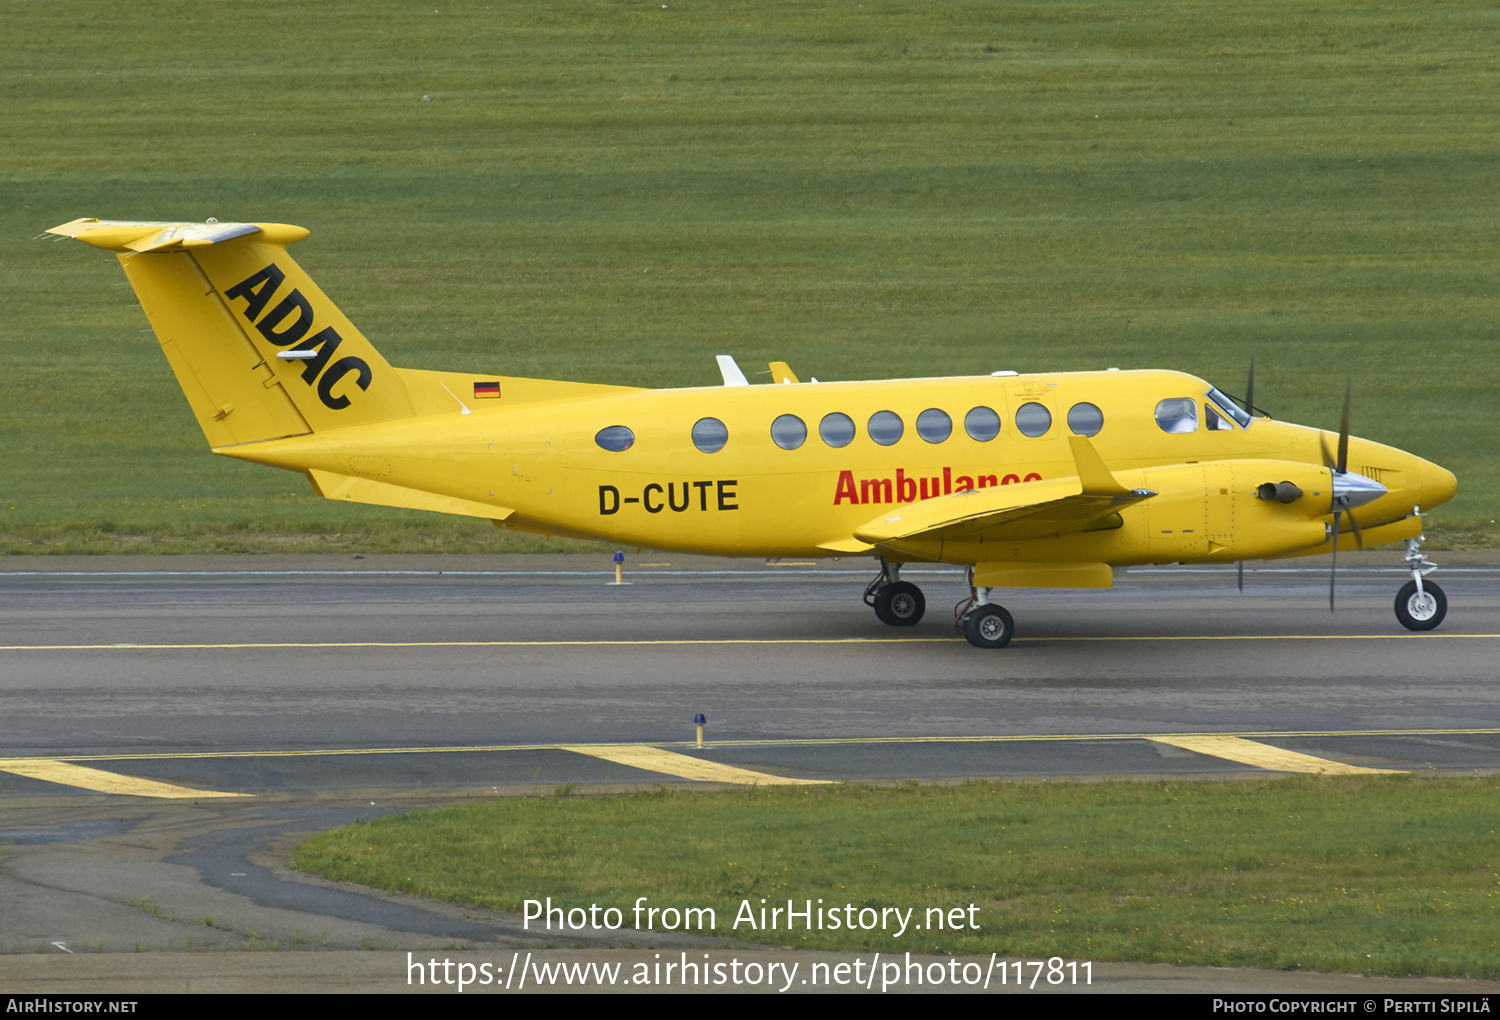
[(1028, 510)]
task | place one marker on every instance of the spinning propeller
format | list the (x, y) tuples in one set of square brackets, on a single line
[(1340, 503), (1250, 410), (1350, 489)]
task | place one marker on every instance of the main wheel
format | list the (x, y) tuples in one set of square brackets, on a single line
[(1424, 611), (989, 626), (900, 604)]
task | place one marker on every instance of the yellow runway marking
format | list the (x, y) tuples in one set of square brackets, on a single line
[(53, 771), (732, 641), (1265, 756), (805, 742), (483, 644), (654, 759)]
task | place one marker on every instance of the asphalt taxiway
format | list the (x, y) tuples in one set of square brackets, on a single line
[(172, 725)]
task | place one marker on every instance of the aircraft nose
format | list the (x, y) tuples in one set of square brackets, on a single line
[(1438, 485)]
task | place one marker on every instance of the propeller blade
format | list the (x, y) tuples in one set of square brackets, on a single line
[(1250, 387), (1241, 571), (1333, 572), (1344, 429), (1329, 461), (1359, 536)]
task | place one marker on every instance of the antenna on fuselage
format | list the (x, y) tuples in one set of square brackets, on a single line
[(731, 372)]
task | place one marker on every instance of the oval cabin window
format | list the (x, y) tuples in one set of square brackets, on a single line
[(710, 435), (1085, 419), (789, 431), (615, 439), (1032, 419), (886, 428), (982, 424), (934, 425), (837, 429)]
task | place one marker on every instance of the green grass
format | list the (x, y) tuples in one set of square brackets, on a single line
[(866, 191), (1379, 875)]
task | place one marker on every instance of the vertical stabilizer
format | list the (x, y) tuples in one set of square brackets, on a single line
[(259, 350)]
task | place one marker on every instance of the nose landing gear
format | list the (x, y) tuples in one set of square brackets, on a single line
[(896, 602), (1420, 605)]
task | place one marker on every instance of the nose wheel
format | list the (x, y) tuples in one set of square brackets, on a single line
[(1421, 610), (1420, 604)]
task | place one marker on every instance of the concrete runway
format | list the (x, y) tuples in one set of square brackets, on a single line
[(316, 685)]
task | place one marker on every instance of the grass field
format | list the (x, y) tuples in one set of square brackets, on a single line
[(1380, 875), (617, 191)]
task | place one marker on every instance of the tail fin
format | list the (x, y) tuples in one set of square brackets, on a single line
[(259, 350)]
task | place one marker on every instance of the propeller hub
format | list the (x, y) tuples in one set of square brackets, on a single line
[(1351, 490)]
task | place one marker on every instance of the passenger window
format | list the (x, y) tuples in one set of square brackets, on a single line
[(982, 424), (789, 431), (615, 439), (1032, 419), (710, 435), (837, 429), (886, 427), (1178, 414), (1085, 419), (934, 425)]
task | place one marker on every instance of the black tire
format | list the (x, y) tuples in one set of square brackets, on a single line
[(1421, 614), (989, 626), (900, 605)]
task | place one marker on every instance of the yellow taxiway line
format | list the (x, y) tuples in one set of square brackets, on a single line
[(1008, 738), (729, 641), (53, 771), (654, 759), (1264, 756)]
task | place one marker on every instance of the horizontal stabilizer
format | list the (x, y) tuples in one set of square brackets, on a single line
[(367, 490), (846, 545), (149, 235)]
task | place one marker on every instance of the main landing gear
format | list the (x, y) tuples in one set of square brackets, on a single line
[(1420, 605), (981, 621), (901, 604), (896, 602)]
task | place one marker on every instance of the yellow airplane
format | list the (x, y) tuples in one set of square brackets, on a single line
[(1032, 481)]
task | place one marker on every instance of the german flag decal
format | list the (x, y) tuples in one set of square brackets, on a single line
[(486, 389)]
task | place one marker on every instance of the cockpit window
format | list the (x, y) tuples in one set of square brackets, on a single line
[(1177, 414), (1215, 421), (1229, 407)]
